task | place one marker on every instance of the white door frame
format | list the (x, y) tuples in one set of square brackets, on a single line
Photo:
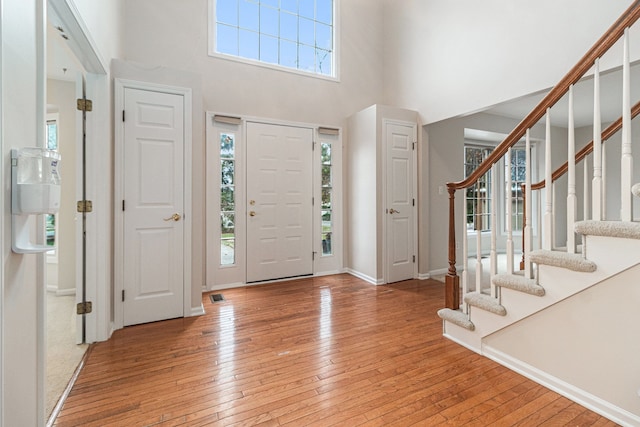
[(385, 260), (118, 240), (98, 165), (322, 265)]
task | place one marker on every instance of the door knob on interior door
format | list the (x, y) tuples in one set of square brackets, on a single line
[(174, 217), (392, 211)]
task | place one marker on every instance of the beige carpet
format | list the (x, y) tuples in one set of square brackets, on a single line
[(63, 355)]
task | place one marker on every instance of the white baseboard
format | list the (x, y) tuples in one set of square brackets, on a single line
[(365, 277), (582, 397), (197, 311), (60, 292), (438, 272), (424, 276)]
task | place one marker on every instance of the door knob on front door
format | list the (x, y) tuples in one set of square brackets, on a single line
[(174, 217), (252, 213), (392, 211)]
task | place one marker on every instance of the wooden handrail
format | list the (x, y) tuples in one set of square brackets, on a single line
[(628, 18), (588, 149), (610, 37)]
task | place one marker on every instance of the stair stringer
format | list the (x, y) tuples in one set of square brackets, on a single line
[(559, 284)]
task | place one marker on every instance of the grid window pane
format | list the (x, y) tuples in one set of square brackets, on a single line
[(323, 62), (288, 26), (307, 8), (227, 198), (326, 207), (306, 58), (257, 30), (289, 5), (269, 21), (479, 195), (268, 49), (249, 44), (227, 12), (288, 54), (324, 11), (249, 15)]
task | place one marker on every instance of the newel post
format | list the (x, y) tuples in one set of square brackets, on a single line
[(452, 280)]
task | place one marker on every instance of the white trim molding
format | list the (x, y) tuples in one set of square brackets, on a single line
[(365, 277), (118, 238), (582, 397)]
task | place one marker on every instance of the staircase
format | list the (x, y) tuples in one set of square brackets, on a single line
[(487, 317)]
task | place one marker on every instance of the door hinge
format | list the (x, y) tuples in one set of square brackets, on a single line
[(84, 307), (313, 201), (313, 256), (123, 206), (84, 105), (414, 259), (85, 206), (123, 115), (413, 202), (413, 145), (123, 295)]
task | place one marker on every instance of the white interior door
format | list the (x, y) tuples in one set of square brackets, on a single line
[(279, 201), (153, 206), (400, 211)]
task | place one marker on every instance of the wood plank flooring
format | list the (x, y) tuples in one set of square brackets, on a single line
[(311, 352)]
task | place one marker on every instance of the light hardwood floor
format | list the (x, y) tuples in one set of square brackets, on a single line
[(311, 352)]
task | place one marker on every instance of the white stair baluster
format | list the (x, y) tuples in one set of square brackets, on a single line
[(494, 226), (572, 199), (539, 219), (626, 168), (604, 183), (478, 287), (528, 209), (465, 256), (596, 185), (509, 213), (586, 193), (547, 242)]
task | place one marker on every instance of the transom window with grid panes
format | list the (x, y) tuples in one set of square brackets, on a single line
[(294, 34), (478, 209)]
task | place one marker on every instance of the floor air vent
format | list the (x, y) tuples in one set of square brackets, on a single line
[(216, 297)]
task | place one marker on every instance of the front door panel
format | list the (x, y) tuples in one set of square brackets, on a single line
[(279, 201)]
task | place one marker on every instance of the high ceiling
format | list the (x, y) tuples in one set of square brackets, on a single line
[(610, 101)]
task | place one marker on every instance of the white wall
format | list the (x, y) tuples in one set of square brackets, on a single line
[(174, 34), (446, 58), (586, 341), (22, 109), (361, 193), (105, 22), (20, 296), (167, 76), (445, 163)]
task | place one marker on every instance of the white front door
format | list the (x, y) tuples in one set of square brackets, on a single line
[(279, 201), (400, 210), (153, 206)]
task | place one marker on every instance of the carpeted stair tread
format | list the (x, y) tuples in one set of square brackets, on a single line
[(623, 229), (485, 302), (573, 262), (457, 318), (519, 283)]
